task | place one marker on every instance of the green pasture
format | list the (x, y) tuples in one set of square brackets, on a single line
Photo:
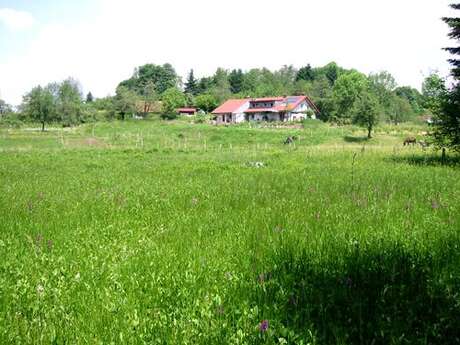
[(152, 232)]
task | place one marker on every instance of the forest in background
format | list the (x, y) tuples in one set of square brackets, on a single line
[(342, 95)]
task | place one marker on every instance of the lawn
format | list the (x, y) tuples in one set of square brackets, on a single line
[(151, 232)]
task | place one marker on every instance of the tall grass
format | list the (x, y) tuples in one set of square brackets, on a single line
[(167, 233)]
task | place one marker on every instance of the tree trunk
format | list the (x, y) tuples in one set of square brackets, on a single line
[(369, 130), (43, 126)]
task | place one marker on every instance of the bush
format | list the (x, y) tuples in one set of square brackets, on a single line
[(168, 116), (202, 118), (11, 120)]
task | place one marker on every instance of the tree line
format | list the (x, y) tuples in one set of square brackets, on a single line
[(342, 95)]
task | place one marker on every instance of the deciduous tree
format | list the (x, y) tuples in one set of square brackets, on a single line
[(172, 99), (149, 97), (4, 108), (433, 91), (221, 86), (40, 105), (69, 102), (162, 76), (413, 96), (206, 102), (125, 102), (367, 111), (347, 90), (236, 79)]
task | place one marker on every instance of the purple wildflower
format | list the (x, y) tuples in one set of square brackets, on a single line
[(434, 204), (263, 326), (220, 310)]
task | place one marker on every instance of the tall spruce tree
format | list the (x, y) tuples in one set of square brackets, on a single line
[(306, 73), (191, 86), (454, 25), (446, 133)]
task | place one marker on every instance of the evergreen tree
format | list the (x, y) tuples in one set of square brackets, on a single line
[(306, 73), (454, 25), (191, 86), (204, 85), (446, 133), (89, 97)]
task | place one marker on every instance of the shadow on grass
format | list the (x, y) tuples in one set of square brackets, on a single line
[(369, 296), (427, 160), (351, 139)]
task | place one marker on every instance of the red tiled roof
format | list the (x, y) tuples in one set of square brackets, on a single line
[(300, 99), (186, 110), (230, 106), (267, 99), (283, 107)]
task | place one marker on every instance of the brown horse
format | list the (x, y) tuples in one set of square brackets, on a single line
[(410, 141)]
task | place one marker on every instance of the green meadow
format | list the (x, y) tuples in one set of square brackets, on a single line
[(156, 232)]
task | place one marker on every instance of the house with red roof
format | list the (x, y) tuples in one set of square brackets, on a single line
[(283, 109), (231, 111)]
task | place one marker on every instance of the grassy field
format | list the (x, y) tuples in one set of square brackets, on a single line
[(150, 232)]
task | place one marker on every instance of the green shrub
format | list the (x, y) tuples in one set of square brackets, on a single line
[(11, 120)]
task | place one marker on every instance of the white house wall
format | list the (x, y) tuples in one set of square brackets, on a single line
[(238, 115), (302, 108)]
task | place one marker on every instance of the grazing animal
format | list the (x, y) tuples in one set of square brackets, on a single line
[(290, 140), (410, 141)]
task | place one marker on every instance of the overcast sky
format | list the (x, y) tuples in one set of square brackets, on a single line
[(100, 42)]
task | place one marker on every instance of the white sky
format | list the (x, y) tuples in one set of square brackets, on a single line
[(112, 37)]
